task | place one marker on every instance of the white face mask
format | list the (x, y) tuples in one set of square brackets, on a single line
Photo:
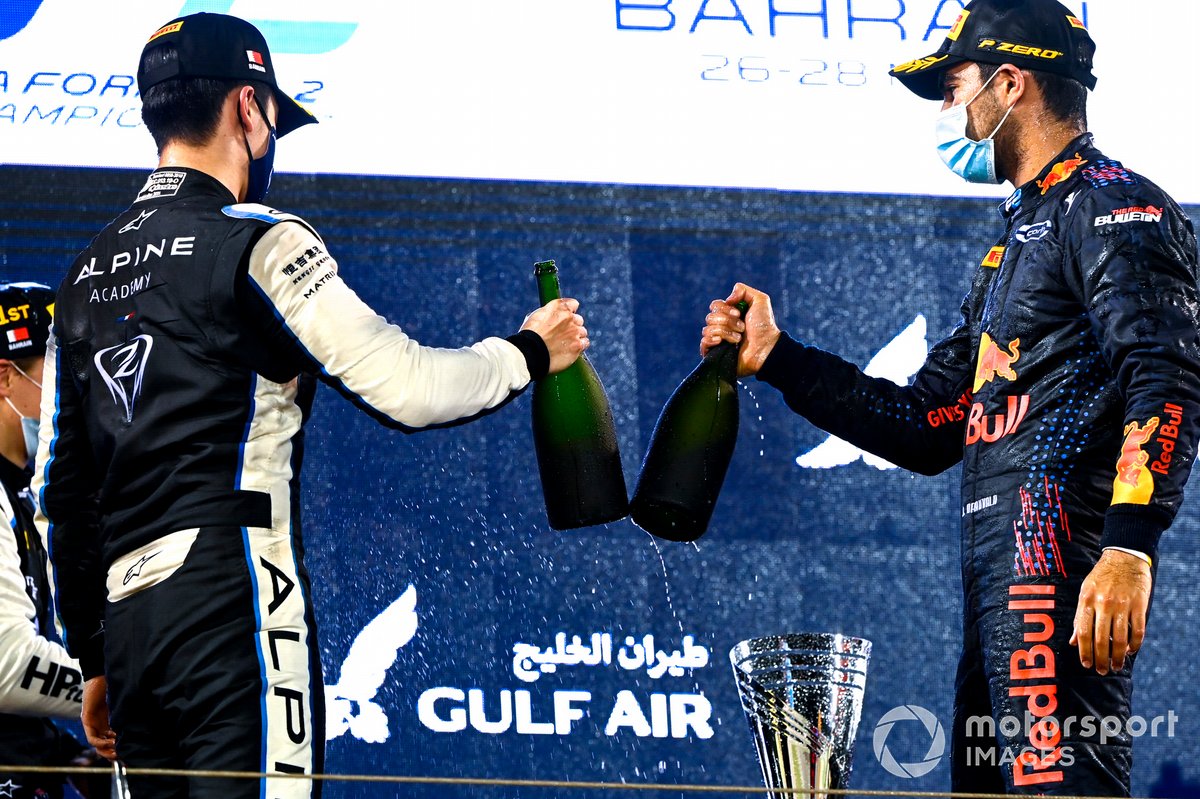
[(30, 425), (973, 161)]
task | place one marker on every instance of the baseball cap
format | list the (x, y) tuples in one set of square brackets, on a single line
[(25, 312), (1041, 35), (222, 47)]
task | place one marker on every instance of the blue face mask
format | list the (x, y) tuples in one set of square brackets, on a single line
[(973, 161), (30, 425), (261, 169)]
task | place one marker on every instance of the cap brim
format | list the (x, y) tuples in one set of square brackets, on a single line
[(923, 76), (292, 115)]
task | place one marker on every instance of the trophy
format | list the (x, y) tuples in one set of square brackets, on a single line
[(803, 697)]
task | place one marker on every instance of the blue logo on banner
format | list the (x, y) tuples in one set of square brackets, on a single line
[(306, 38), (284, 36), (15, 15)]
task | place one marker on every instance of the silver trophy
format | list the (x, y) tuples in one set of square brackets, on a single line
[(803, 697)]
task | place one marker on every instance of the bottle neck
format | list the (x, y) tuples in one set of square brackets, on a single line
[(548, 287), (546, 275)]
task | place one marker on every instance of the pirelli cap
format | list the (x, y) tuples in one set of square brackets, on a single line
[(1040, 35), (217, 46), (25, 311)]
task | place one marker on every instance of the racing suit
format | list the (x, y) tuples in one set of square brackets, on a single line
[(38, 679), (185, 342), (1070, 391)]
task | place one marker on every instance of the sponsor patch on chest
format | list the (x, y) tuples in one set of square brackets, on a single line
[(1036, 232)]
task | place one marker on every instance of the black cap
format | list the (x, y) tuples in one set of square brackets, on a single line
[(223, 47), (25, 312), (1041, 35)]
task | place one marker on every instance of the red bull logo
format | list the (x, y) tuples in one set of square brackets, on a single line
[(1060, 172), (991, 428), (995, 362), (1134, 484), (1035, 667), (1168, 434)]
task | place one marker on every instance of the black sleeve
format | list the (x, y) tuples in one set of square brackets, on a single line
[(65, 485), (1133, 261), (918, 427)]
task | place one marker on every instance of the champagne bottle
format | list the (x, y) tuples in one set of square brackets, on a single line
[(576, 442), (690, 450)]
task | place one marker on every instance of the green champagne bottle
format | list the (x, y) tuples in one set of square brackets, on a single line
[(690, 450), (576, 442)]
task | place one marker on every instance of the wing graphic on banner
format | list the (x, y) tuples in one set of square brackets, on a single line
[(898, 361), (373, 652)]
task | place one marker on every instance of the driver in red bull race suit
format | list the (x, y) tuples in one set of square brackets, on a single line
[(1070, 391)]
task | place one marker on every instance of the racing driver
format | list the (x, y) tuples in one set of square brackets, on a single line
[(1074, 376), (179, 375), (39, 681)]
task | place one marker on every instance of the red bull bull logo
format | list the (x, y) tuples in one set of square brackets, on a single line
[(995, 362), (1134, 484), (1060, 172)]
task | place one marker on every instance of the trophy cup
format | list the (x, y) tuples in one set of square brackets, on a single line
[(803, 698)]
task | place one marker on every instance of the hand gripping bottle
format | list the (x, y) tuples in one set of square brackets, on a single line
[(576, 442), (690, 450)]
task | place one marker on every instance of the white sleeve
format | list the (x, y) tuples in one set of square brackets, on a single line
[(37, 676), (410, 384)]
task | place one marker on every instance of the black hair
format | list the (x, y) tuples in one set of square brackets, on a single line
[(186, 110), (1065, 98), (27, 364)]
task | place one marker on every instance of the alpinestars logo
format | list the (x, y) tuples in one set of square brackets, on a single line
[(123, 368)]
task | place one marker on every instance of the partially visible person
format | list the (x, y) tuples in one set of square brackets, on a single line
[(187, 340), (38, 679), (1069, 390)]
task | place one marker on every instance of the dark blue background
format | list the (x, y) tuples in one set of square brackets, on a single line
[(458, 514)]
